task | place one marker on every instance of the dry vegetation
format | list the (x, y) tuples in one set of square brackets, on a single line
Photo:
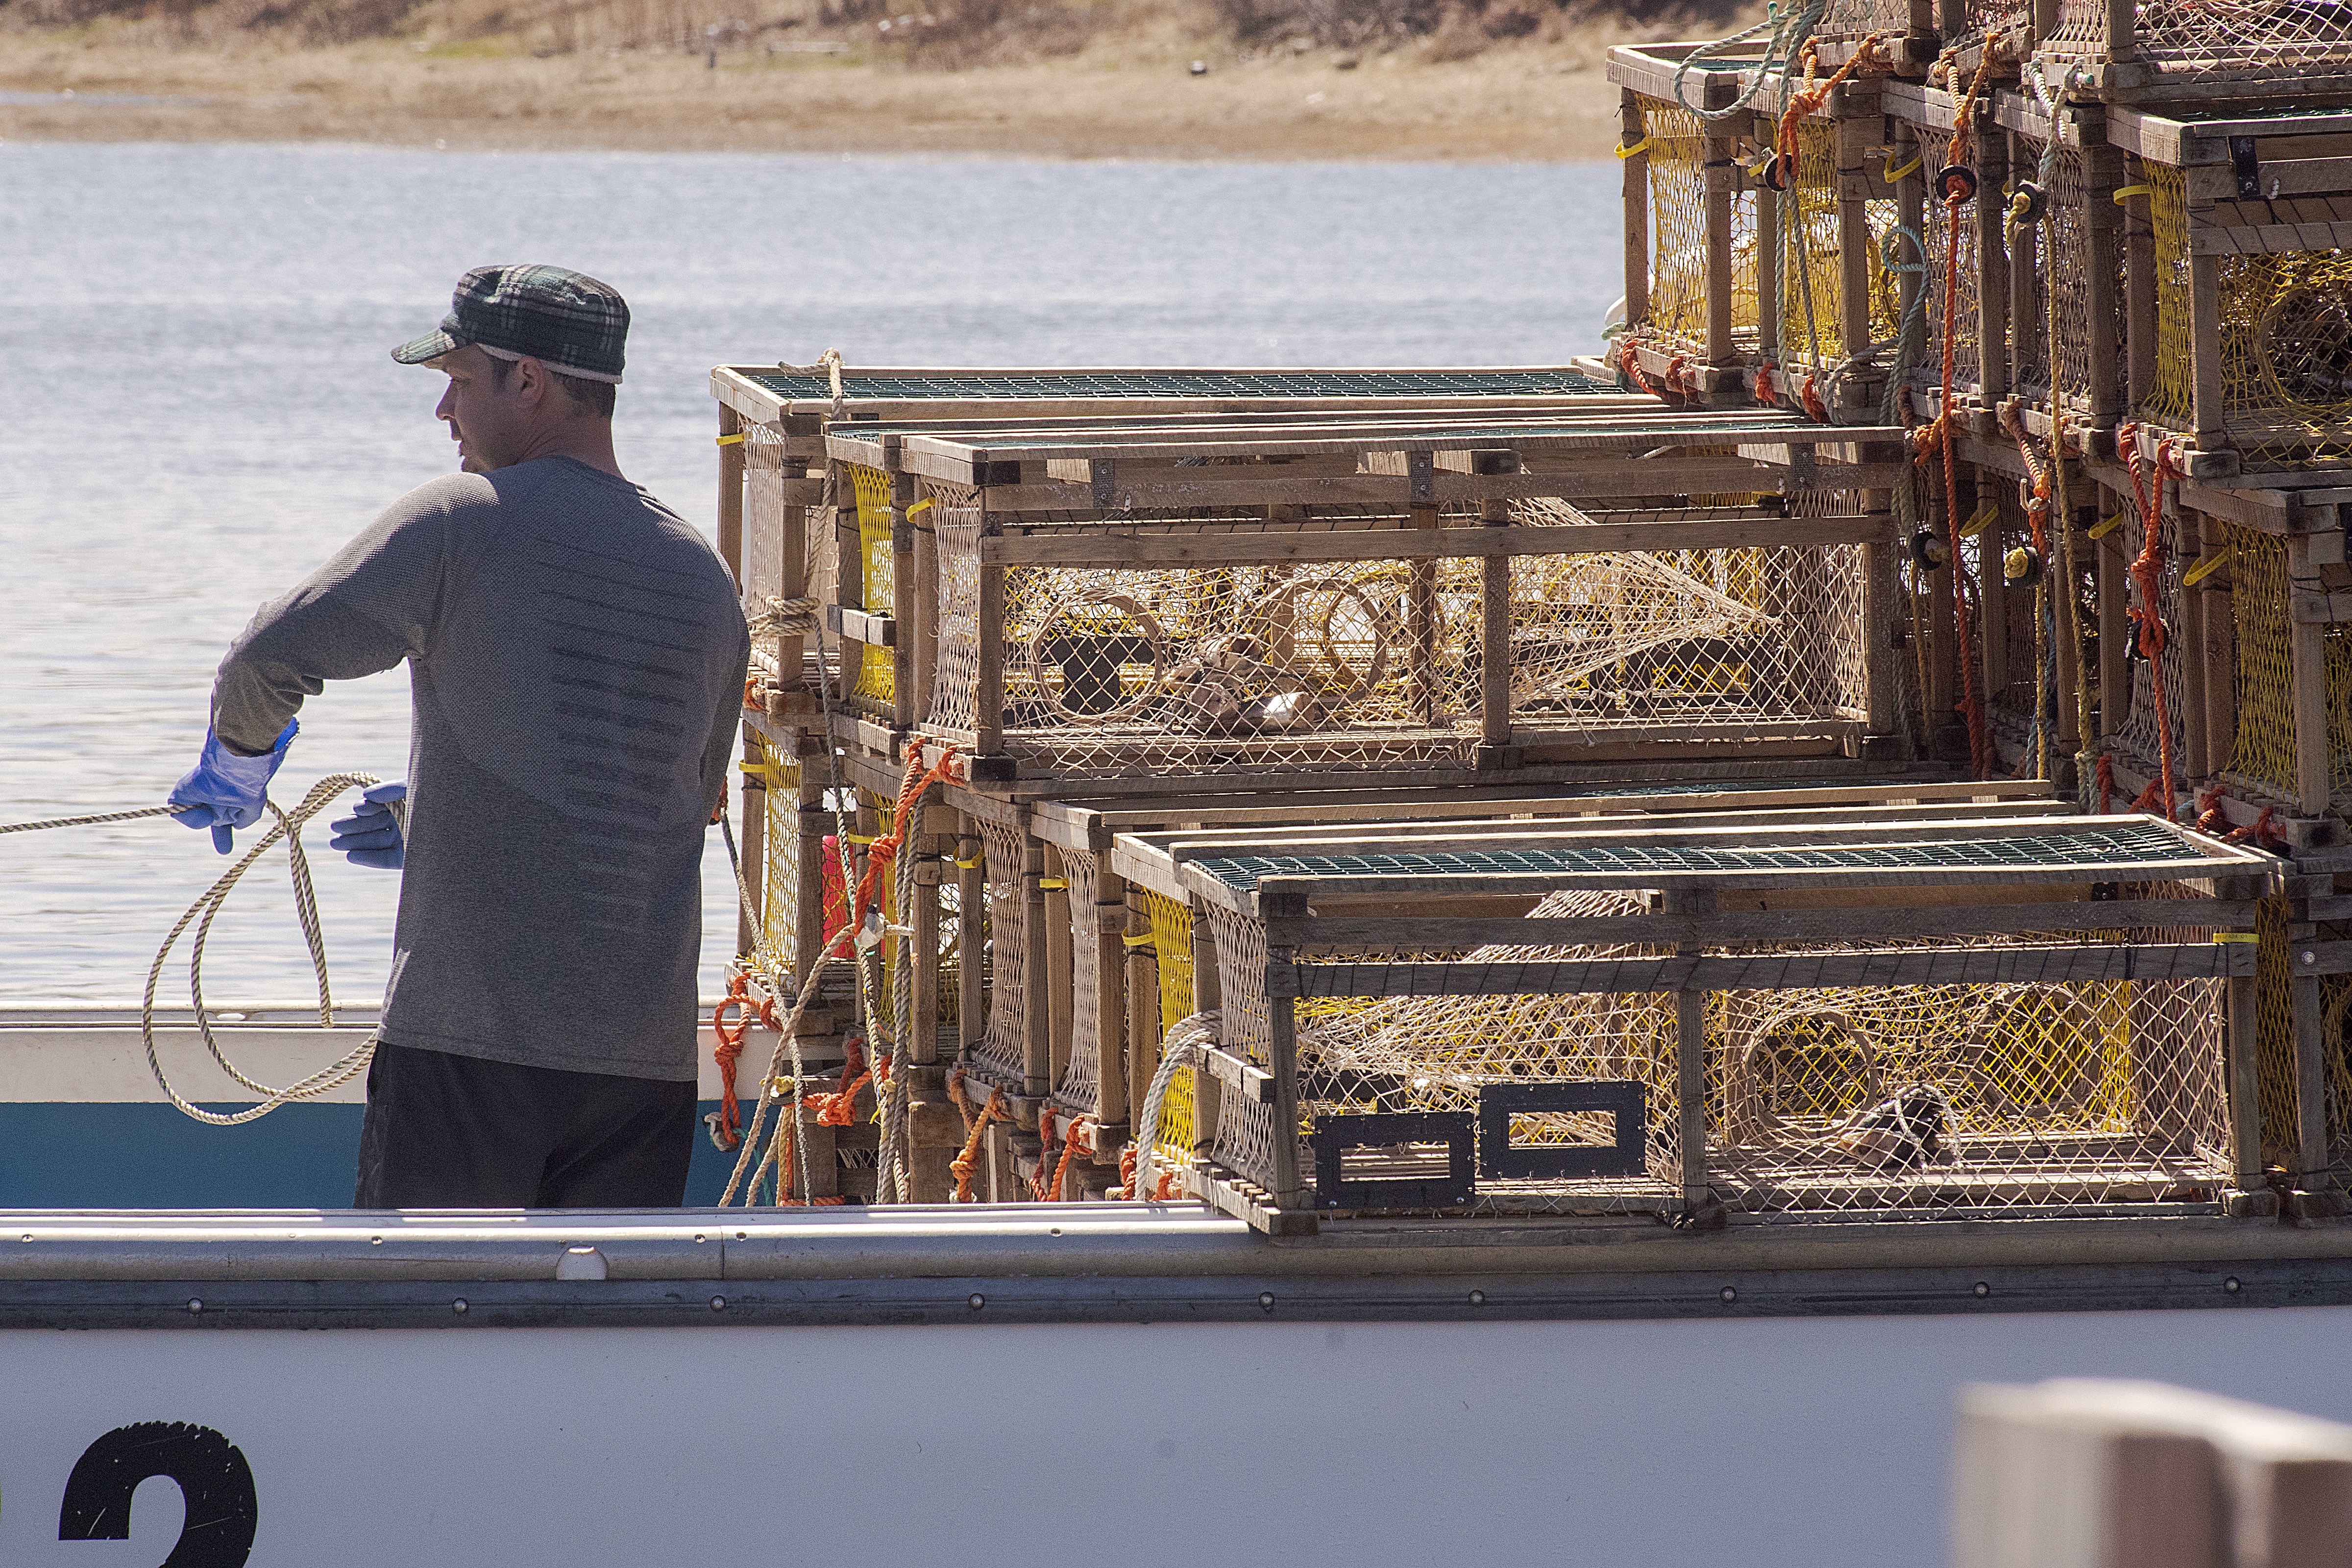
[(1445, 78)]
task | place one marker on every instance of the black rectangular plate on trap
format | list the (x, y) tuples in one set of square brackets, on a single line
[(1457, 1130), (1499, 1102)]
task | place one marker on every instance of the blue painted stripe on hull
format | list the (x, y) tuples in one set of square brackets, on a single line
[(61, 1155)]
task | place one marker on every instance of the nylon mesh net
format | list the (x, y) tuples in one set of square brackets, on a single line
[(1246, 669), (1812, 259), (2032, 1095), (1080, 1088), (2060, 247), (1678, 160), (1172, 941), (873, 691), (1967, 374), (1001, 1059), (780, 829)]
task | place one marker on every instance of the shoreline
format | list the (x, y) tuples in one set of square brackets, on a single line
[(1529, 103)]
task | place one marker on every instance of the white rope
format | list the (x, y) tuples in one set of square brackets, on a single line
[(143, 811), (829, 362), (1181, 1048), (288, 827)]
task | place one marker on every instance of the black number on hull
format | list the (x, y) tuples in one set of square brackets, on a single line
[(214, 1477)]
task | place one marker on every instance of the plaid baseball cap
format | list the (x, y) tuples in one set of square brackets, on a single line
[(565, 319)]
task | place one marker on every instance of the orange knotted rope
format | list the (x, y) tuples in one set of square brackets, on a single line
[(1069, 1148), (1764, 392), (1867, 56), (730, 1047), (962, 1165), (2106, 777), (2147, 574), (1630, 358)]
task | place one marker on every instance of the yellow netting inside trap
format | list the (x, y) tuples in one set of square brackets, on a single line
[(2285, 340), (875, 688), (1677, 164), (780, 829), (2263, 754), (1172, 941), (1813, 263)]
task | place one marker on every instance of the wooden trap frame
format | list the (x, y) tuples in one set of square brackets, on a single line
[(1327, 546), (1763, 986)]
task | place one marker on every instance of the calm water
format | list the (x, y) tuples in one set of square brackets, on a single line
[(196, 407)]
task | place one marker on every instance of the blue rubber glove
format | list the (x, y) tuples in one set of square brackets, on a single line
[(371, 835), (226, 789)]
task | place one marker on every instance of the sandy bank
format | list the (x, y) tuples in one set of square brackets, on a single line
[(1133, 100)]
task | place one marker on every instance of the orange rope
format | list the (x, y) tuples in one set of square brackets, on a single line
[(2106, 776), (1127, 1158), (1764, 392), (2148, 573), (1628, 356), (730, 1047), (840, 1109), (1955, 197), (1069, 1148), (1812, 95), (1817, 410), (2258, 832), (962, 1165)]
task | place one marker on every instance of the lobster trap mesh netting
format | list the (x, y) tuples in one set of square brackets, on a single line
[(1172, 942), (2184, 41), (2286, 329), (1670, 637), (1812, 267), (1955, 272), (2043, 1094), (2059, 247), (1001, 1056), (875, 685), (1678, 237), (955, 677), (1173, 670), (779, 848), (1091, 1034)]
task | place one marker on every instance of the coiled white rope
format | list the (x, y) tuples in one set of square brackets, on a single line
[(288, 827)]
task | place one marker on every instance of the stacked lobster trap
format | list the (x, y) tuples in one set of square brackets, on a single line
[(1703, 1014), (1982, 391)]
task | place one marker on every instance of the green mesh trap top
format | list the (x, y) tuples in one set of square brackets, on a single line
[(915, 387), (2121, 849)]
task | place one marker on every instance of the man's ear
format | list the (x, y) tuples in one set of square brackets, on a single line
[(531, 381)]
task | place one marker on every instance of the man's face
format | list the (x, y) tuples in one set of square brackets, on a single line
[(488, 417)]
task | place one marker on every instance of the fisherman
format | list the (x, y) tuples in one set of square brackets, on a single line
[(576, 658)]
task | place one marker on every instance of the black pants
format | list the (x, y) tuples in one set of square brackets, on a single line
[(450, 1131)]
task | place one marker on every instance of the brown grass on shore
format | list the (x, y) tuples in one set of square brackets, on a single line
[(1454, 79)]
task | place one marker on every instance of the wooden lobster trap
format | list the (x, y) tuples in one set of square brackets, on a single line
[(1136, 963), (1691, 321), (802, 538), (2170, 54), (2026, 214), (2015, 1015), (1380, 598), (2243, 286)]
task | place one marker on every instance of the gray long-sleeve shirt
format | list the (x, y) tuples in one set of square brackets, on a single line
[(576, 660)]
